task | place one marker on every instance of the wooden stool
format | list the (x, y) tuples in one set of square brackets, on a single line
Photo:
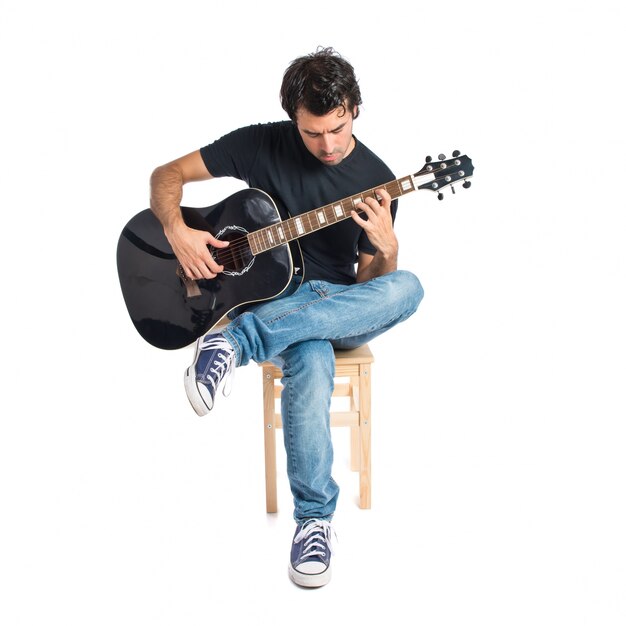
[(356, 366)]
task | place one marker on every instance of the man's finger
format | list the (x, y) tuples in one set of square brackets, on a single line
[(216, 243)]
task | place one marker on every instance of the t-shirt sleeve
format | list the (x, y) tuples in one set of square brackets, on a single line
[(233, 154), (364, 242)]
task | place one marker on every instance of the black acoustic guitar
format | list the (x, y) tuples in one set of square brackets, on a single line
[(171, 311)]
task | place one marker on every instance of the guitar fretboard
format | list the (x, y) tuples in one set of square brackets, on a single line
[(277, 234)]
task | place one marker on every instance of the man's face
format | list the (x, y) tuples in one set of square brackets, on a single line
[(329, 137)]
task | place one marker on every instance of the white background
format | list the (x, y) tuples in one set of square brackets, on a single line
[(499, 408)]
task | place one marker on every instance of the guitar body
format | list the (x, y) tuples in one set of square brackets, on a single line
[(169, 310)]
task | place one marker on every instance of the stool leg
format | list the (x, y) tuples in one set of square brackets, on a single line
[(355, 452), (365, 426), (355, 443), (269, 428)]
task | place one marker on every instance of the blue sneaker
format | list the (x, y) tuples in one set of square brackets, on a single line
[(309, 565), (213, 365)]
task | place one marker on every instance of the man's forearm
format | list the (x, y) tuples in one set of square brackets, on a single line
[(166, 192), (381, 264)]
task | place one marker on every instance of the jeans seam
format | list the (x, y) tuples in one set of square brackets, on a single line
[(291, 455)]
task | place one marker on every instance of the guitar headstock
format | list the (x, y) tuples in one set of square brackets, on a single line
[(446, 172)]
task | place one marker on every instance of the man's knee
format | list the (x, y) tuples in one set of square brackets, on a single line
[(407, 290), (311, 359)]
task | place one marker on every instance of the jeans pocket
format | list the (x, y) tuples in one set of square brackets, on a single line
[(320, 287)]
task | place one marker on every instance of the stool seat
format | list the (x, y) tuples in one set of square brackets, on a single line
[(353, 365)]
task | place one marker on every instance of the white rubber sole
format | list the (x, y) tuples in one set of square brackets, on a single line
[(310, 580), (200, 404)]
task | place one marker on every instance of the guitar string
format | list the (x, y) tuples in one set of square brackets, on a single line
[(240, 244)]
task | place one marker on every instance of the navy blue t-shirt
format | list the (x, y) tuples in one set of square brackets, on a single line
[(272, 157)]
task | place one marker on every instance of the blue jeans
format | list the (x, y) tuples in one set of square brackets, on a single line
[(298, 332)]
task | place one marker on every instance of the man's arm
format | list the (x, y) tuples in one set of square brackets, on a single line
[(166, 191), (379, 230)]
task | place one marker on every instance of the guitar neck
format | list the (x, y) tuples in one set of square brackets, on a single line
[(277, 234), (433, 176)]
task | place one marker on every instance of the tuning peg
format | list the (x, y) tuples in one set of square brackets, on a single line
[(467, 184), (442, 157), (440, 196), (456, 153), (429, 159)]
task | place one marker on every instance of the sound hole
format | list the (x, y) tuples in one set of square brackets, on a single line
[(237, 258)]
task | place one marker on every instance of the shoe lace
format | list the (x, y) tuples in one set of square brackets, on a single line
[(317, 537), (223, 366)]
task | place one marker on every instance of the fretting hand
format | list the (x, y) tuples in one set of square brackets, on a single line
[(378, 226)]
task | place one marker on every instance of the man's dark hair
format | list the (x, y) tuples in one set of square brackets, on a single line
[(320, 82)]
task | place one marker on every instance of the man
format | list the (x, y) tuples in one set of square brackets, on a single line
[(303, 164)]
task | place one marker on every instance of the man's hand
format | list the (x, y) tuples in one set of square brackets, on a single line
[(190, 247), (379, 225)]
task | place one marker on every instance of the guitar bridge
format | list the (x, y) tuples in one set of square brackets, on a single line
[(191, 286)]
